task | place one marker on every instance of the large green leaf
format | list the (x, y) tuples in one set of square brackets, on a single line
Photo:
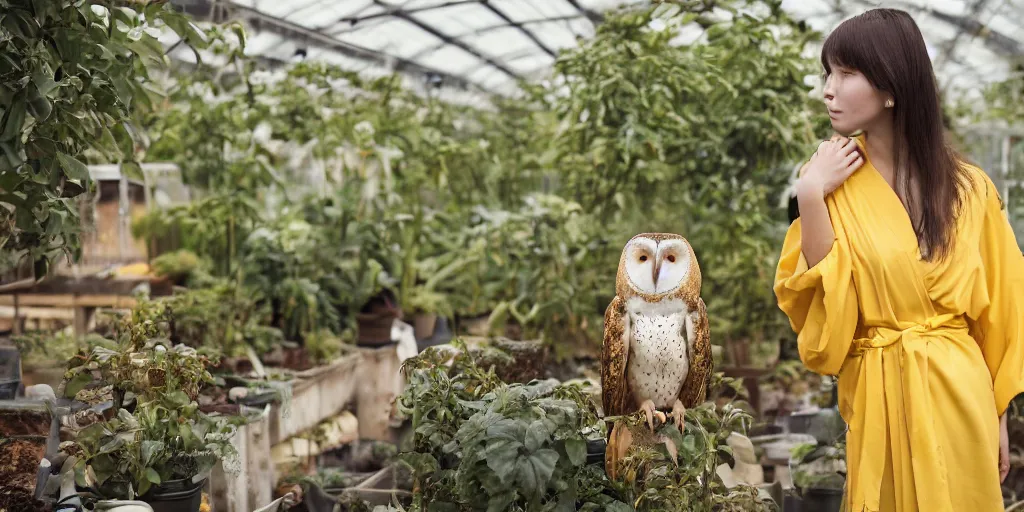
[(73, 168), (501, 455), (534, 471), (77, 383), (112, 445), (576, 449), (13, 119), (536, 436), (500, 502), (149, 451)]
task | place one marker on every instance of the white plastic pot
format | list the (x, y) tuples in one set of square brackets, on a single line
[(123, 506)]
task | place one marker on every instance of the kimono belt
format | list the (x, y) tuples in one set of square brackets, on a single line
[(893, 367)]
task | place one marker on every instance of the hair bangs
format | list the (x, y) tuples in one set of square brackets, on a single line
[(847, 46)]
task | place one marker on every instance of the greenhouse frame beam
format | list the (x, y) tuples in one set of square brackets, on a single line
[(398, 13), (296, 32), (481, 30), (996, 41), (390, 11), (594, 16), (518, 26), (951, 44)]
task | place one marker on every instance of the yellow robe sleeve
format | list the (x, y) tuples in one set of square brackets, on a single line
[(821, 302), (999, 302)]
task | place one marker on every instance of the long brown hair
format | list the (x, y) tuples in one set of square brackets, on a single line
[(887, 47)]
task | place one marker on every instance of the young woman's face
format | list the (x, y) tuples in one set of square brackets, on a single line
[(853, 103)]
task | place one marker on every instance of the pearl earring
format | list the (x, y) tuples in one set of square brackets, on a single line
[(889, 103)]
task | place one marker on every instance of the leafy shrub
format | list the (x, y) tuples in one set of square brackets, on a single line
[(481, 444)]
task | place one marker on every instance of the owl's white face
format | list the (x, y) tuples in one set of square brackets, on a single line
[(657, 268)]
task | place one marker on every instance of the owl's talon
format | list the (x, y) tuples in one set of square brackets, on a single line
[(650, 412), (679, 415)]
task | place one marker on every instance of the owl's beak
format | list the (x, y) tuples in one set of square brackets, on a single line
[(657, 270)]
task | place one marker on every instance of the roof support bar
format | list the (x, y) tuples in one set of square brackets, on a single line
[(481, 30), (390, 11), (448, 39), (298, 33), (529, 34), (594, 16)]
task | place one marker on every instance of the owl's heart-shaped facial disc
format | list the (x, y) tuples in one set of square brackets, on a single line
[(656, 267), (641, 257), (673, 264)]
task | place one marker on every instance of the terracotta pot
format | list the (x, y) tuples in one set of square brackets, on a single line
[(424, 324), (376, 319), (375, 328)]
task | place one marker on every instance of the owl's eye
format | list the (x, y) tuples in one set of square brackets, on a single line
[(643, 258), (671, 258)]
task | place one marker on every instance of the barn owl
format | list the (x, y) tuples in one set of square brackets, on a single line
[(656, 354)]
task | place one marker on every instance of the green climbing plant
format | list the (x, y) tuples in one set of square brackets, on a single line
[(71, 73)]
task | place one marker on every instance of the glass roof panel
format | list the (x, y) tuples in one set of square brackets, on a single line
[(489, 43), (449, 58), (385, 37)]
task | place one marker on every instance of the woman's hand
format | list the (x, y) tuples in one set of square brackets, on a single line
[(830, 166), (1004, 449)]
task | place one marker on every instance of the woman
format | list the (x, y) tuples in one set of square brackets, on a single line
[(902, 276)]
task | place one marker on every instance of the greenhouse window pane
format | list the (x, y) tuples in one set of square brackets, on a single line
[(555, 34), (520, 10), (502, 40), (453, 20), (450, 59), (530, 63), (395, 36), (261, 42)]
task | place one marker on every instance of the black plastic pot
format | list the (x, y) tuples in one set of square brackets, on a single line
[(175, 496), (595, 451), (822, 500)]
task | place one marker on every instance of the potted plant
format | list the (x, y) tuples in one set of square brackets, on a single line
[(156, 445), (425, 305), (819, 474)]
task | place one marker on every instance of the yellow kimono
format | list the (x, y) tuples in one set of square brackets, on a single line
[(928, 353)]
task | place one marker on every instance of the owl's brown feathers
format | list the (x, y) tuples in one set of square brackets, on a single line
[(681, 298)]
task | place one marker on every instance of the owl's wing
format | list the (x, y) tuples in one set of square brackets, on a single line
[(695, 387), (615, 396)]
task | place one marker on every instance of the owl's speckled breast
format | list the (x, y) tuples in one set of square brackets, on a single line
[(658, 362)]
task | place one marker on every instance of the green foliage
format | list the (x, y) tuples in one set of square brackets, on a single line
[(70, 74), (655, 482), (481, 444), (819, 467), (519, 211), (46, 348), (177, 265), (681, 120), (222, 317), (546, 268), (212, 227), (166, 437)]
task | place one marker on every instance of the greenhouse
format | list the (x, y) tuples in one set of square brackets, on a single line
[(511, 255)]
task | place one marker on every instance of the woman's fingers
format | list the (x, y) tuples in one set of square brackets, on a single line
[(852, 165), (850, 158), (850, 146)]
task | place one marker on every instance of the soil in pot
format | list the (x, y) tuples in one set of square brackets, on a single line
[(175, 496)]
